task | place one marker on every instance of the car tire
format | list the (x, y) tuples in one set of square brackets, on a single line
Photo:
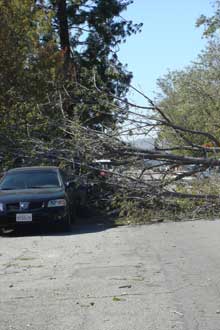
[(73, 215), (66, 223)]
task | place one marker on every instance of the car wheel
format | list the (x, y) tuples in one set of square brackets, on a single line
[(73, 214), (65, 223), (68, 218)]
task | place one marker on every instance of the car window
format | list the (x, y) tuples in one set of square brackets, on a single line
[(64, 176), (29, 180)]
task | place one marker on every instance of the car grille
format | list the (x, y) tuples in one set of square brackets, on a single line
[(32, 206), (13, 207), (35, 205)]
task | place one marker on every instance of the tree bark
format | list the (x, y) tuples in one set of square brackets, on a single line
[(64, 32)]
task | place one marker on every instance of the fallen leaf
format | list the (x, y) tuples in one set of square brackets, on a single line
[(117, 299)]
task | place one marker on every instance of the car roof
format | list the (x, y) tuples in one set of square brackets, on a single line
[(33, 168)]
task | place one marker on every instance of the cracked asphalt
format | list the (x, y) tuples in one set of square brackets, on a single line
[(164, 276)]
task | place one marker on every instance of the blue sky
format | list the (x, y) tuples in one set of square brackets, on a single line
[(169, 39)]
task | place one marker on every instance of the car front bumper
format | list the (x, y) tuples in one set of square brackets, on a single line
[(42, 216)]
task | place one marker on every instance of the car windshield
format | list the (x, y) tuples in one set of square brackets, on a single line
[(29, 180)]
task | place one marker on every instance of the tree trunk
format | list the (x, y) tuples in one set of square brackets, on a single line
[(64, 32)]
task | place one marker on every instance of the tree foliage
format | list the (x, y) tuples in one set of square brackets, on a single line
[(211, 24), (96, 30), (26, 68), (191, 97), (56, 58)]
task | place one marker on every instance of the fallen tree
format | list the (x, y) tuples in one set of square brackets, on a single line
[(147, 186)]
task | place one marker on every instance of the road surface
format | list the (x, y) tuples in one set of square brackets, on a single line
[(154, 277)]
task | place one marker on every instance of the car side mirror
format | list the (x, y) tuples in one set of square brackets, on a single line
[(69, 184)]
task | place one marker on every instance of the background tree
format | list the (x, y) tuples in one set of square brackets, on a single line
[(57, 58), (94, 33), (28, 66), (191, 97), (211, 24)]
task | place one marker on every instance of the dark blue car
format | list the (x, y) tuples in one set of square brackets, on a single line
[(38, 195)]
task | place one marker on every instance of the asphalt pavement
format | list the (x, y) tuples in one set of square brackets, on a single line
[(155, 277)]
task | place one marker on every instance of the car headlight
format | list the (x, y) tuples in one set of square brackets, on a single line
[(1, 207), (57, 203)]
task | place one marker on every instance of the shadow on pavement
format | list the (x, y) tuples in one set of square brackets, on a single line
[(82, 226)]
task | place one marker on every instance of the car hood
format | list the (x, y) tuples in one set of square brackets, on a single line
[(8, 196)]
